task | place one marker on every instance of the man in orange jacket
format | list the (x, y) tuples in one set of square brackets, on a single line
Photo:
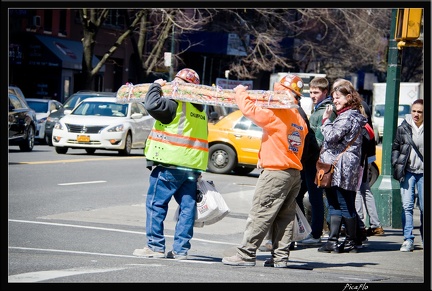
[(273, 206)]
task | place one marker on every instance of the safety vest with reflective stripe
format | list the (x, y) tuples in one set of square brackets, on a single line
[(183, 142)]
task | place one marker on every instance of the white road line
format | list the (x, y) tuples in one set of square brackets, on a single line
[(47, 275), (110, 229), (80, 160), (114, 255), (79, 183)]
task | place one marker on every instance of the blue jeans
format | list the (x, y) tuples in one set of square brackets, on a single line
[(408, 197), (341, 202), (164, 184)]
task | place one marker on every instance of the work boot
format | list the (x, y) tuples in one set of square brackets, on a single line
[(332, 243), (349, 244)]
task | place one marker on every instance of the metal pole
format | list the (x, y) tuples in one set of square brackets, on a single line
[(386, 189), (171, 73), (204, 69), (211, 70)]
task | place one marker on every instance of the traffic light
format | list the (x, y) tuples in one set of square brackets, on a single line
[(408, 24)]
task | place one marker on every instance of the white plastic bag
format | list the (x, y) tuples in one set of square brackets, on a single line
[(210, 195), (301, 226), (211, 208), (207, 205)]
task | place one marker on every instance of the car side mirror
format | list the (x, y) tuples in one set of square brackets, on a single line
[(136, 115)]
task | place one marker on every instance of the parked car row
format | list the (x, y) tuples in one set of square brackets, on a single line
[(99, 124)]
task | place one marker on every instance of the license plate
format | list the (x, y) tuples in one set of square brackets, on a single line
[(83, 138)]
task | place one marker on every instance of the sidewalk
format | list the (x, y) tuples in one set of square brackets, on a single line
[(379, 256)]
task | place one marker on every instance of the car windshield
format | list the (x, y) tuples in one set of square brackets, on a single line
[(39, 107), (71, 102), (74, 100), (101, 109), (403, 110), (246, 124)]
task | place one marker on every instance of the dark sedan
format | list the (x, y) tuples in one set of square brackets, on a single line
[(21, 122)]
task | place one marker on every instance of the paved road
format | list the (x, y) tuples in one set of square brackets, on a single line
[(93, 242)]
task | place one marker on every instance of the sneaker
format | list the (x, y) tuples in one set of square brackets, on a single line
[(407, 246), (236, 260), (375, 231), (172, 255), (309, 240), (271, 263), (148, 253)]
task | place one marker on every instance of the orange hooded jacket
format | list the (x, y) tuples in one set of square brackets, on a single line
[(284, 132)]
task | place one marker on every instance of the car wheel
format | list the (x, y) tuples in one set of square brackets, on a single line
[(28, 144), (243, 170), (128, 146), (61, 150), (90, 151), (373, 174), (48, 140), (222, 159)]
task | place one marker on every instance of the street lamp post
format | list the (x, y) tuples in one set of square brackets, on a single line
[(171, 72), (386, 189)]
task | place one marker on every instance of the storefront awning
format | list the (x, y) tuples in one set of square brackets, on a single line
[(69, 52)]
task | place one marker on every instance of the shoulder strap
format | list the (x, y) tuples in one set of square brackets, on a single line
[(413, 144), (348, 145)]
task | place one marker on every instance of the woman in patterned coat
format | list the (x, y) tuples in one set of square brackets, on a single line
[(338, 134)]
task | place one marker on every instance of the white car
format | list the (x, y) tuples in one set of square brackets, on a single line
[(43, 108), (101, 123)]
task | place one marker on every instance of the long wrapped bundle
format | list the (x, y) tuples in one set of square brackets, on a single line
[(208, 95)]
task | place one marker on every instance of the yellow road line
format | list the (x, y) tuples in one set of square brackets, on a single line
[(80, 160)]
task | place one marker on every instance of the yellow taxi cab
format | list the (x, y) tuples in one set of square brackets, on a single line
[(234, 142), (378, 157)]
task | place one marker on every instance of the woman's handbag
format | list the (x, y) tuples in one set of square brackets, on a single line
[(324, 173)]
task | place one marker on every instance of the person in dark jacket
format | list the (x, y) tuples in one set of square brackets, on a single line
[(365, 198), (319, 93), (177, 150), (407, 166)]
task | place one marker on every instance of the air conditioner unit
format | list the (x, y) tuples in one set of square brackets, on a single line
[(36, 21)]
